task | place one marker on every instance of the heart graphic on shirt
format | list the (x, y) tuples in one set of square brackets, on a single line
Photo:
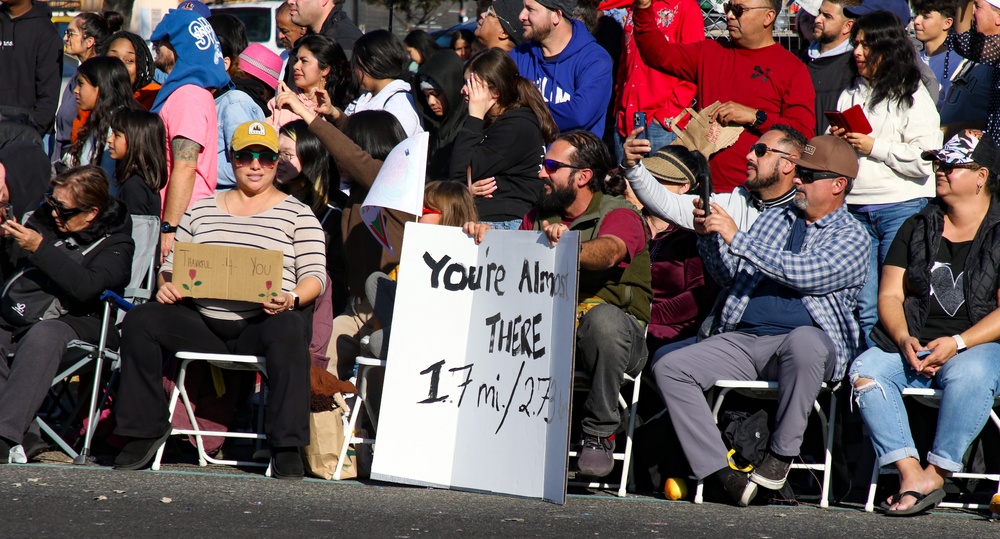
[(946, 288)]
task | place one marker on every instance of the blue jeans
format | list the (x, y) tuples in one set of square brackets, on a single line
[(881, 226), (970, 381), (658, 136), (513, 224)]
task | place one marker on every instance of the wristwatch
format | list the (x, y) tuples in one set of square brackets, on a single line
[(959, 343), (295, 303), (168, 228), (760, 119)]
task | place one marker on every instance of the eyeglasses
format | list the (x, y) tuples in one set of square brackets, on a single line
[(430, 211), (551, 166), (244, 158), (64, 213), (808, 175), (71, 33), (287, 156), (760, 149), (947, 168), (739, 9)]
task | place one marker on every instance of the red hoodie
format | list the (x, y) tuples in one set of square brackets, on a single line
[(769, 79), (640, 88)]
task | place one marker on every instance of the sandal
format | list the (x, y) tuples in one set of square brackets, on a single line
[(925, 502)]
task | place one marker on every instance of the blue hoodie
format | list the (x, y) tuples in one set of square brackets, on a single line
[(576, 84), (199, 57)]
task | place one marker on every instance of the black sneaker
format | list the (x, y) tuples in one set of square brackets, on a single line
[(597, 457), (740, 488), (771, 473)]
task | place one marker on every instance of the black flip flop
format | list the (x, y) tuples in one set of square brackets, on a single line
[(925, 502)]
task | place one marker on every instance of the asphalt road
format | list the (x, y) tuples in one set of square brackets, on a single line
[(52, 500)]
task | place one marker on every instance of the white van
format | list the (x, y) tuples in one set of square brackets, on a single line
[(259, 18)]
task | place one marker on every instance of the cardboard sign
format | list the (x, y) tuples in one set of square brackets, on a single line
[(480, 366), (222, 272)]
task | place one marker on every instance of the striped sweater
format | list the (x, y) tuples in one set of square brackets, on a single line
[(289, 227)]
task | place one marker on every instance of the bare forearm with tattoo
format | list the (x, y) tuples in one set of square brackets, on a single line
[(182, 178)]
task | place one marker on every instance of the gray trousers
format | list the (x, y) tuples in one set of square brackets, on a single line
[(609, 343), (25, 381), (800, 361)]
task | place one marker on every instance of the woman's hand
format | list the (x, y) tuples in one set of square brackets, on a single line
[(324, 105), (481, 99), (280, 304), (168, 294), (483, 188), (861, 143), (910, 347), (476, 230), (635, 148), (26, 238)]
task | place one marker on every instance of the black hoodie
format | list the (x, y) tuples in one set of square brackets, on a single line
[(445, 69), (31, 63), (511, 150)]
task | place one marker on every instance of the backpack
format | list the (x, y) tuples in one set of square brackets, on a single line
[(746, 436), (27, 297)]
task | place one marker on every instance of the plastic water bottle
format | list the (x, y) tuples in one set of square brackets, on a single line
[(781, 23)]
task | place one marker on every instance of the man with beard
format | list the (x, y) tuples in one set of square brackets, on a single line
[(614, 281), (768, 182), (794, 278), (830, 58)]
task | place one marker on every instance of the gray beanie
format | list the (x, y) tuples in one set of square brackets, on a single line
[(509, 14), (566, 6)]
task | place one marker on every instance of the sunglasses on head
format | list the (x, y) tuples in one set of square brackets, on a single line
[(808, 175), (760, 149), (63, 212), (430, 211), (738, 9), (551, 166), (244, 158)]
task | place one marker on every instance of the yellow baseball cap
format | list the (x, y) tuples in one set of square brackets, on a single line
[(255, 133)]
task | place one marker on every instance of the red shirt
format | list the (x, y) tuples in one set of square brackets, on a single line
[(641, 88), (769, 79)]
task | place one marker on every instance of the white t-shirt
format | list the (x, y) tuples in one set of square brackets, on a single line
[(394, 98)]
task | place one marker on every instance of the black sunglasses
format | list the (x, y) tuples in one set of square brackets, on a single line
[(551, 166), (738, 9), (63, 212), (760, 149), (244, 158), (947, 168), (808, 175)]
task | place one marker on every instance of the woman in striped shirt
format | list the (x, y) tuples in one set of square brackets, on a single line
[(254, 215)]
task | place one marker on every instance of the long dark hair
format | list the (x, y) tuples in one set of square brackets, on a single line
[(891, 55), (100, 26), (315, 161), (514, 91), (329, 53), (114, 91), (146, 155), (423, 42), (144, 67), (380, 55), (376, 132)]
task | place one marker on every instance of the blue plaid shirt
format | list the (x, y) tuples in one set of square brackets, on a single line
[(829, 271)]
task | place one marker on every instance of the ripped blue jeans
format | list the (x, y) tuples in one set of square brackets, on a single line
[(970, 382)]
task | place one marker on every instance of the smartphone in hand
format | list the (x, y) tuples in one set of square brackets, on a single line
[(7, 212), (705, 192), (639, 120)]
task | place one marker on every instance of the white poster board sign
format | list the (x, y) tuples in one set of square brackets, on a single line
[(480, 365), (399, 185)]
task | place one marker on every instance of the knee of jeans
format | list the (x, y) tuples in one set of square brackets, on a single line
[(599, 325), (861, 385)]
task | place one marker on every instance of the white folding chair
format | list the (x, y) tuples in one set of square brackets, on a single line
[(581, 382), (760, 389), (365, 368), (79, 354), (222, 361), (932, 398)]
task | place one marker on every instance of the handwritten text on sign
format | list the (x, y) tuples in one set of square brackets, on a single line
[(479, 372), (222, 272)]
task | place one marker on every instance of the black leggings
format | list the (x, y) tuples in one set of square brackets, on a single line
[(153, 329)]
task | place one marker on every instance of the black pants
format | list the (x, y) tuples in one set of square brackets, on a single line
[(152, 329), (25, 382)]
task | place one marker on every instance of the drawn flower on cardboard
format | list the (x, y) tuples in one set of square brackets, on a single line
[(268, 285), (192, 273)]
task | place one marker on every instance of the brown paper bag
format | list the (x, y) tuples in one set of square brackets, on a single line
[(326, 437)]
